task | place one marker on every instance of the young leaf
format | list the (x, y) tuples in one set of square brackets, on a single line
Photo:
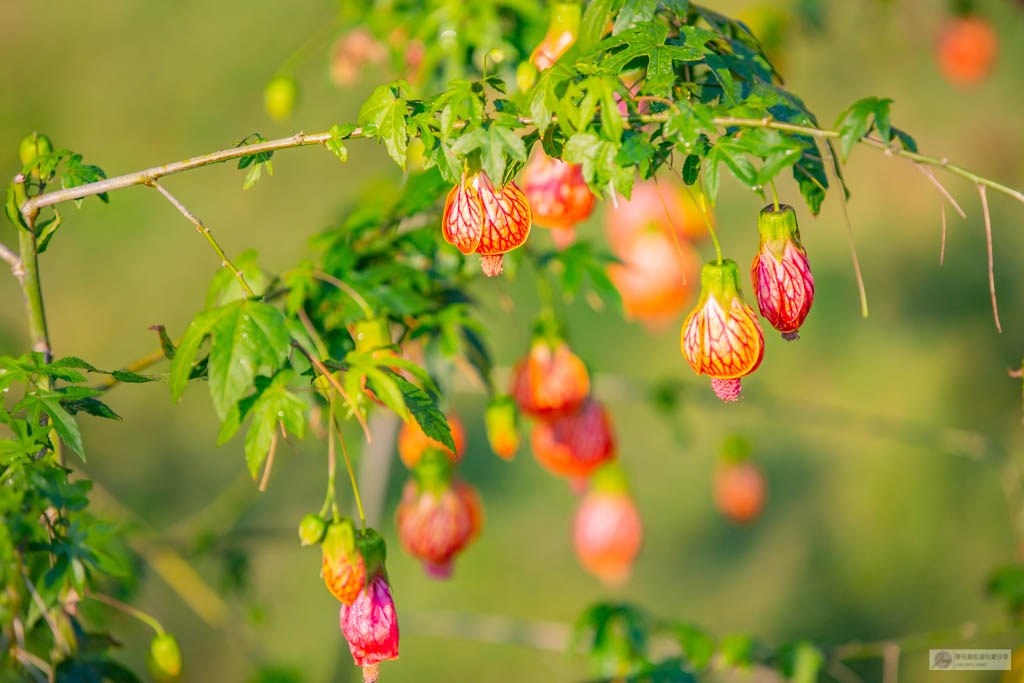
[(425, 410), (274, 405)]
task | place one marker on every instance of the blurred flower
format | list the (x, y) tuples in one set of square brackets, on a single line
[(550, 381), (655, 277), (645, 209), (562, 32), (279, 97), (574, 445), (558, 196), (967, 50), (739, 490), (350, 54), (438, 515), (722, 337), (607, 531), (781, 273)]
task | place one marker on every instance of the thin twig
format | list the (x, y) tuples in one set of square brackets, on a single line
[(930, 175), (127, 609), (324, 372), (942, 248), (11, 258), (348, 289), (672, 229), (205, 232), (991, 269)]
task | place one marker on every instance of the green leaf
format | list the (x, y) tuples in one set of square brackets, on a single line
[(737, 650), (249, 338), (274, 405), (800, 662), (634, 13), (691, 169), (91, 406), (131, 377), (698, 647), (388, 391), (595, 18), (861, 117), (384, 114), (426, 411), (338, 135), (45, 231), (65, 425)]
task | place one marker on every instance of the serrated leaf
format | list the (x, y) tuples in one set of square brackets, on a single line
[(64, 424), (384, 114), (131, 377), (426, 412), (91, 406), (274, 405), (338, 135)]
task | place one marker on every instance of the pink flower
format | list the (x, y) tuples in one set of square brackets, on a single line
[(780, 273), (371, 627)]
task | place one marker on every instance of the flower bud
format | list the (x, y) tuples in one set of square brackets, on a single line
[(502, 422), (312, 529), (781, 273), (370, 626), (279, 97), (32, 147), (343, 569), (722, 337), (165, 657)]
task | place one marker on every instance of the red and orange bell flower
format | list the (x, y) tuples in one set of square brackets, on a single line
[(780, 273), (722, 337), (558, 196), (488, 220)]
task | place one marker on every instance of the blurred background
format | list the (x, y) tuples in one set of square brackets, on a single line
[(884, 440)]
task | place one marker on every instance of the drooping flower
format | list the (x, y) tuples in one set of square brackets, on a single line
[(343, 568), (558, 196), (412, 441), (550, 381), (607, 531), (576, 444), (506, 222), (370, 624), (722, 337), (438, 515), (654, 278), (780, 273), (502, 422)]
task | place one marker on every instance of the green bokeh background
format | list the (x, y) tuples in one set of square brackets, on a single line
[(884, 440)]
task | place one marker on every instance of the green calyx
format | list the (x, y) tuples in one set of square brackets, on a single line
[(548, 330), (32, 147), (736, 448), (340, 540), (433, 472), (312, 529), (371, 547), (610, 478), (501, 413), (778, 227), (721, 280), (370, 334)]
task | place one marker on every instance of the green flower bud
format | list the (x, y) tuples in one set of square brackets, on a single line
[(279, 97), (165, 657), (312, 529), (32, 147)]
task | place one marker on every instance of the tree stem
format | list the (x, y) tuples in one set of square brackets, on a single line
[(28, 276)]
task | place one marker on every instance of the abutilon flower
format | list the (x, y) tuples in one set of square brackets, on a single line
[(370, 626), (550, 381), (780, 273), (967, 49), (607, 531), (506, 224), (343, 568), (502, 422), (438, 515), (480, 218), (722, 337), (576, 444), (739, 490), (412, 441), (558, 196)]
